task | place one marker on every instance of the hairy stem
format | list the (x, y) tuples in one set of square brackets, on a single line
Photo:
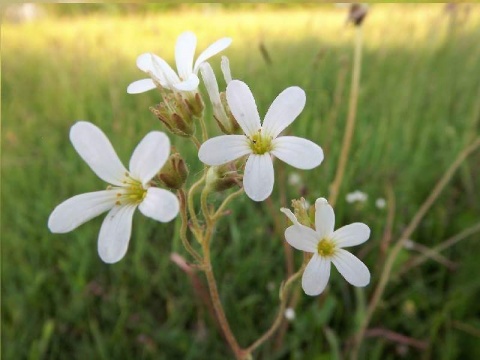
[(217, 303), (225, 202), (184, 226), (281, 311)]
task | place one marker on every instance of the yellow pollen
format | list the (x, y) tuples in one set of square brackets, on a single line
[(260, 144), (132, 193), (326, 247)]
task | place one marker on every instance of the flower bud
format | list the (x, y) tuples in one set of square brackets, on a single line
[(357, 13), (303, 212), (195, 104), (174, 173), (175, 114), (224, 177)]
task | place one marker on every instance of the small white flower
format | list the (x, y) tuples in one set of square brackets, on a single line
[(128, 190), (294, 179), (327, 247), (289, 314), (356, 196), (260, 142), (380, 203), (186, 79)]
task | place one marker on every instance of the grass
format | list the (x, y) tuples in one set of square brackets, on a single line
[(418, 107)]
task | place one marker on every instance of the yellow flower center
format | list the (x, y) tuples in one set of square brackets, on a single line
[(260, 144), (326, 247), (132, 192)]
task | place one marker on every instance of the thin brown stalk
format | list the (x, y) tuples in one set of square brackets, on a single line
[(281, 311), (420, 259), (352, 114), (412, 226), (217, 305), (396, 337)]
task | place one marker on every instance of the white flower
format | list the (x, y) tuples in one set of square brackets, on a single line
[(260, 142), (289, 314), (327, 247), (186, 79), (294, 179), (128, 190), (356, 196), (380, 203)]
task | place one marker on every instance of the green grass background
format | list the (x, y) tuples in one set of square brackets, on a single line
[(419, 106)]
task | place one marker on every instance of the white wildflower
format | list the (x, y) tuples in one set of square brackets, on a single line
[(260, 142), (327, 247), (356, 196), (186, 78), (128, 190)]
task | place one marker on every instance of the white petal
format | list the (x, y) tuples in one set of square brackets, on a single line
[(77, 210), (210, 82), (243, 107), (149, 156), (160, 205), (351, 235), (191, 84), (351, 268), (302, 238), (140, 86), (184, 53), (225, 66), (291, 216), (223, 149), (324, 218), (144, 62), (115, 233), (316, 275), (97, 151), (258, 178), (212, 50), (297, 152), (284, 109), (165, 74)]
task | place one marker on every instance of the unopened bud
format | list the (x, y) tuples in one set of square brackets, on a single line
[(175, 114), (174, 173), (303, 212), (357, 14), (224, 177), (195, 104)]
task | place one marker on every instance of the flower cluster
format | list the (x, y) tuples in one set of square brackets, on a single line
[(243, 156)]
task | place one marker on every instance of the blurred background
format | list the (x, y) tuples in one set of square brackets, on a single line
[(419, 106)]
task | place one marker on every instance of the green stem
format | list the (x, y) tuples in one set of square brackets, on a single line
[(184, 226), (225, 202), (191, 206)]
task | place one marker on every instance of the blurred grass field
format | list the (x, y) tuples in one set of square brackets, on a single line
[(419, 106)]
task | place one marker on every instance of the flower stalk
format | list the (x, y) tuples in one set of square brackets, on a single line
[(351, 117)]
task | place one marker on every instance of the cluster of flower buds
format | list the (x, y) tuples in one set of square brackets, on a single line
[(182, 102), (178, 112)]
